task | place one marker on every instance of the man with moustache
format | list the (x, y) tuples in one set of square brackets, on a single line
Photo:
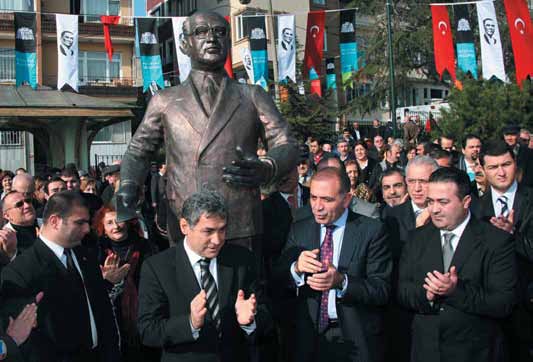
[(340, 264), (469, 159), (393, 187), (458, 277)]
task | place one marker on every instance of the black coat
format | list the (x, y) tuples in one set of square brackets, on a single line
[(464, 326), (366, 260), (38, 269), (167, 287)]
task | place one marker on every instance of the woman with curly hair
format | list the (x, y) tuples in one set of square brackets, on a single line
[(121, 251)]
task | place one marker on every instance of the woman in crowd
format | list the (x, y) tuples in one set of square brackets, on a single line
[(88, 186), (366, 164), (357, 188), (6, 178), (121, 251)]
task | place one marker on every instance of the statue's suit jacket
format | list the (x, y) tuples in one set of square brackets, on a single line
[(198, 146)]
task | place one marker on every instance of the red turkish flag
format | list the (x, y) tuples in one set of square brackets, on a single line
[(314, 49), (107, 20), (229, 63), (442, 41), (521, 38)]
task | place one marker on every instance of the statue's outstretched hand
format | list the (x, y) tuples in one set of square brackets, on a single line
[(248, 170), (127, 198)]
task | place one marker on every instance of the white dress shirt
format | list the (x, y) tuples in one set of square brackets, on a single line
[(298, 196), (195, 259), (457, 232), (338, 234), (58, 250), (416, 209), (510, 194)]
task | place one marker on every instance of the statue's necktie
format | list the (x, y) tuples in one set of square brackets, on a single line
[(210, 93), (326, 256), (447, 250), (210, 287)]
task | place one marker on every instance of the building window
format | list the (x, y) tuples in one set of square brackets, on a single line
[(436, 93), (25, 5), (11, 138), (242, 25), (325, 39), (319, 2), (7, 65), (116, 133), (95, 67), (94, 9)]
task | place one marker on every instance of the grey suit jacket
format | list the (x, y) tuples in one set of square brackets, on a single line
[(198, 146)]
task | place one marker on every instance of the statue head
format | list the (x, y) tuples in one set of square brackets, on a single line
[(206, 40)]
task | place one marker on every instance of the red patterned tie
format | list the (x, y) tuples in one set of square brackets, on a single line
[(326, 256)]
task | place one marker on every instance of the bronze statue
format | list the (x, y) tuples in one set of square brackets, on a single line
[(210, 126)]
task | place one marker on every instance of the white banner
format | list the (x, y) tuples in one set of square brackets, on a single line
[(67, 50), (246, 56), (286, 47), (491, 46), (184, 62)]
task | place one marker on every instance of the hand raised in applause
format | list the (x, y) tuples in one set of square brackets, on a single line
[(19, 329), (324, 281), (199, 310), (504, 223), (111, 271), (308, 262), (8, 242), (245, 308), (440, 284)]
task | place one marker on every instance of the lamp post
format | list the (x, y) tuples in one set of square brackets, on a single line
[(392, 97)]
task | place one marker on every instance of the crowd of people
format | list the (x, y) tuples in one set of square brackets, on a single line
[(374, 248)]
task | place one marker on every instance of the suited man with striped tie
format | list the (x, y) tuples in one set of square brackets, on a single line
[(198, 301), (340, 263), (507, 205)]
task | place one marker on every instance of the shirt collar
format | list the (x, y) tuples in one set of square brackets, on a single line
[(341, 221), (191, 254), (510, 191), (56, 248), (415, 207), (459, 229)]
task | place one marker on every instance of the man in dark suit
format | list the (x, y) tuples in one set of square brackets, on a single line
[(470, 158), (458, 276), (201, 122), (197, 300), (341, 265), (523, 155), (75, 321), (507, 205)]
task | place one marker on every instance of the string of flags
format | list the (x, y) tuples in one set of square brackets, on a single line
[(492, 63), (255, 58)]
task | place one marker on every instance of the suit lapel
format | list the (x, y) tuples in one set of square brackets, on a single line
[(49, 258), (468, 242), (228, 99), (433, 258), (349, 241), (185, 277), (410, 218), (487, 208), (519, 204), (193, 106), (225, 278)]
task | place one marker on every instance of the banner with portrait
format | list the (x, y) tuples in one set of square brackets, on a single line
[(466, 51), (152, 69), (246, 56), (348, 46), (184, 62), (491, 46), (67, 50), (286, 48), (258, 49), (25, 54)]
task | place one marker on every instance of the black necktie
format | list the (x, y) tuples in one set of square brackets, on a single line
[(83, 318), (210, 287)]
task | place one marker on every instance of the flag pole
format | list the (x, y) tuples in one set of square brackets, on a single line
[(274, 50), (392, 98)]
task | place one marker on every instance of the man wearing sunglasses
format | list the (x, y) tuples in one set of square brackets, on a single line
[(210, 126), (18, 210)]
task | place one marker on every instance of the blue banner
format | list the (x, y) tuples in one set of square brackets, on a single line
[(466, 58), (260, 65), (152, 70), (25, 55), (26, 68), (349, 60), (331, 77)]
